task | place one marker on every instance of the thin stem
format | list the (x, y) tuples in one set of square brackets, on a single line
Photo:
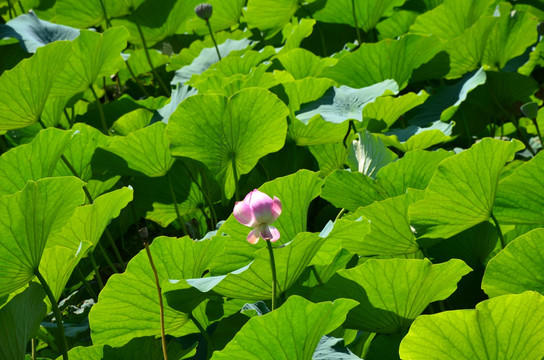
[(144, 234), (135, 78), (351, 125), (86, 284), (235, 174), (10, 10), (204, 193), (176, 206), (538, 132), (274, 279), (213, 39), (101, 112), (355, 20), (108, 24), (316, 274), (3, 145), (106, 98), (148, 57), (210, 347), (501, 236), (33, 350), (107, 258), (68, 118), (340, 214), (206, 217), (116, 252), (21, 7), (96, 272), (56, 312), (467, 130)]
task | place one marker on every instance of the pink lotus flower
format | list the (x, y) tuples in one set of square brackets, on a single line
[(258, 211)]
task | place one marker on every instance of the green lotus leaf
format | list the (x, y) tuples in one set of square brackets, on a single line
[(350, 234), (518, 267), (295, 192), (155, 22), (71, 12), (388, 59), (44, 150), (138, 119), (451, 18), (145, 150), (519, 196), (368, 13), (233, 125), (350, 190), (414, 170), (333, 348), (295, 32), (392, 293), (225, 15), (418, 138), (292, 332), (368, 154), (138, 62), (397, 24), (302, 63), (145, 348), (128, 306), (95, 55), (33, 33), (36, 212), (507, 327), (270, 16), (343, 103), (462, 191), (329, 157), (24, 90), (385, 110), (20, 320)]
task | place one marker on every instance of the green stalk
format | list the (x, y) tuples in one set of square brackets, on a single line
[(213, 39), (108, 24), (21, 7), (274, 279), (70, 120), (210, 348), (501, 236), (355, 20), (115, 249), (148, 57), (235, 174), (538, 131), (10, 10), (106, 98), (101, 112), (144, 235), (96, 272), (204, 193), (107, 258), (86, 284), (56, 312), (340, 213), (316, 274), (136, 79), (176, 206)]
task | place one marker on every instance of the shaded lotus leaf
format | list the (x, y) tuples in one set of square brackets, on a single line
[(207, 57), (368, 12), (44, 150), (329, 157), (350, 190), (387, 59), (33, 33), (95, 55), (24, 90), (343, 103), (20, 320), (128, 306), (233, 126), (520, 195), (36, 212), (71, 12), (507, 327), (414, 170), (296, 192), (392, 293), (518, 267), (418, 138), (368, 154), (462, 191)]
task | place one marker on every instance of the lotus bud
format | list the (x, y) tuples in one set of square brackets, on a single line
[(204, 11)]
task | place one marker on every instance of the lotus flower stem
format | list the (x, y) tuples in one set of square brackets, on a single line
[(56, 312), (155, 74), (235, 174), (107, 258), (176, 206), (274, 279), (204, 333), (21, 7), (145, 237), (538, 131), (108, 24), (135, 78), (213, 39), (86, 284), (10, 10), (316, 274), (100, 112), (33, 348), (204, 193), (355, 20), (96, 272), (501, 236)]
